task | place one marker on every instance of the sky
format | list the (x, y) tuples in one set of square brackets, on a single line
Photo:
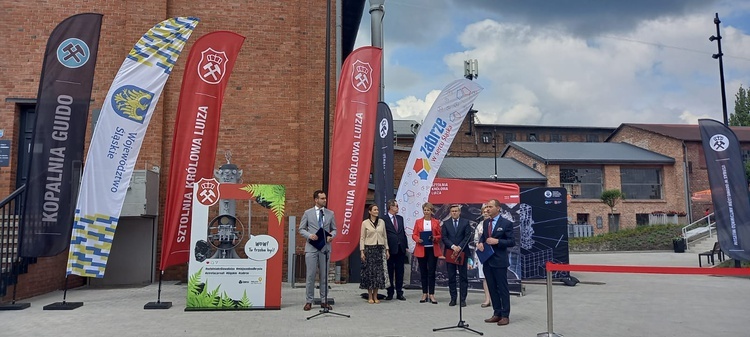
[(566, 62)]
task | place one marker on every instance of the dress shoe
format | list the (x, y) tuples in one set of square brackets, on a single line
[(503, 321), (484, 305), (452, 303), (307, 307), (377, 301), (389, 297), (493, 319), (401, 298), (463, 303), (326, 306), (433, 300), (424, 299)]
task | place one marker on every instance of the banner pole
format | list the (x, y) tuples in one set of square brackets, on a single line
[(158, 304)]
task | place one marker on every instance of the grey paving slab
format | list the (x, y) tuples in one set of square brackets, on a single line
[(602, 305)]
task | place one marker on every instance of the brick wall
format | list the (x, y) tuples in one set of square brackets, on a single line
[(272, 116)]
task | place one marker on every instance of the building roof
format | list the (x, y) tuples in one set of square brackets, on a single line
[(483, 168), (685, 132), (593, 153), (545, 127), (405, 128)]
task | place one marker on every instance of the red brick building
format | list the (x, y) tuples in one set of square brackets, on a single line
[(273, 111)]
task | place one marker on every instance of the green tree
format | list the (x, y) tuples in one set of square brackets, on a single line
[(610, 198), (741, 115)]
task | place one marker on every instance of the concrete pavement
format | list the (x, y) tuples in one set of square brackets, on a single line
[(610, 305)]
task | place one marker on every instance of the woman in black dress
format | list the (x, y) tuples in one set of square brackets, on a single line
[(373, 245)]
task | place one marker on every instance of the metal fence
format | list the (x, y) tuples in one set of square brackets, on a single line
[(580, 231)]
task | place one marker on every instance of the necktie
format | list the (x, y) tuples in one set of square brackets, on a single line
[(320, 219), (455, 224), (395, 223), (489, 228)]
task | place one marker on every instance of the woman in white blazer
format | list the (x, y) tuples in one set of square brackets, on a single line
[(373, 245)]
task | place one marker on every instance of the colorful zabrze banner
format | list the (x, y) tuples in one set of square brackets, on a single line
[(383, 174), (252, 281), (196, 133), (351, 149), (116, 141), (430, 146), (62, 111), (726, 176)]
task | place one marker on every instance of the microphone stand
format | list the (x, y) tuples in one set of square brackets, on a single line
[(461, 324), (325, 309)]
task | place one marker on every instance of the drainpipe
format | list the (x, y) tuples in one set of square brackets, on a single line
[(685, 173)]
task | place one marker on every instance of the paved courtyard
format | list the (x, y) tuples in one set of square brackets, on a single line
[(601, 305)]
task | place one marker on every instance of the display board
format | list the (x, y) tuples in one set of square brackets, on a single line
[(231, 268)]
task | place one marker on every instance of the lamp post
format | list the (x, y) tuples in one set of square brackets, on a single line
[(494, 147), (718, 56)]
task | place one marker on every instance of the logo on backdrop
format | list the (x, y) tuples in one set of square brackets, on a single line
[(383, 128), (213, 66), (73, 53), (132, 102), (361, 76), (208, 191), (719, 143), (422, 168)]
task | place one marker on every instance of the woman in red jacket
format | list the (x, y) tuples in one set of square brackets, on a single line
[(425, 252)]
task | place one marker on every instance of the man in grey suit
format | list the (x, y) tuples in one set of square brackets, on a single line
[(315, 260)]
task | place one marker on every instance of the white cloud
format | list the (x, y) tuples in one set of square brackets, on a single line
[(411, 107), (690, 118), (550, 77)]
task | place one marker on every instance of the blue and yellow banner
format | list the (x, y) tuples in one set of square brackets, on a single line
[(116, 141)]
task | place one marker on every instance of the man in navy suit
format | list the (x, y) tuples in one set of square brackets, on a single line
[(456, 235), (498, 235), (394, 230)]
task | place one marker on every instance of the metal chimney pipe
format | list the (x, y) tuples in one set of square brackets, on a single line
[(377, 11)]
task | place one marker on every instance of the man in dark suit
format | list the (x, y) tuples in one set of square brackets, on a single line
[(497, 235), (394, 229), (456, 235)]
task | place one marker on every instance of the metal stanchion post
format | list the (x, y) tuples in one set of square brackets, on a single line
[(550, 331)]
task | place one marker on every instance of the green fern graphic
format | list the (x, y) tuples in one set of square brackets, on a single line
[(245, 302), (269, 196), (198, 296), (227, 302)]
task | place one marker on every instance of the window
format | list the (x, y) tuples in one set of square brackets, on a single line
[(641, 183), (582, 182), (555, 138), (532, 137), (582, 218), (487, 137), (592, 138), (641, 219), (509, 137)]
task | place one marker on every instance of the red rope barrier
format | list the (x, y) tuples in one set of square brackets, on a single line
[(648, 269)]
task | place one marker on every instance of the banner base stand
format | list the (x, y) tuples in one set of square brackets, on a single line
[(14, 306), (63, 306), (331, 301), (157, 305), (548, 334)]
